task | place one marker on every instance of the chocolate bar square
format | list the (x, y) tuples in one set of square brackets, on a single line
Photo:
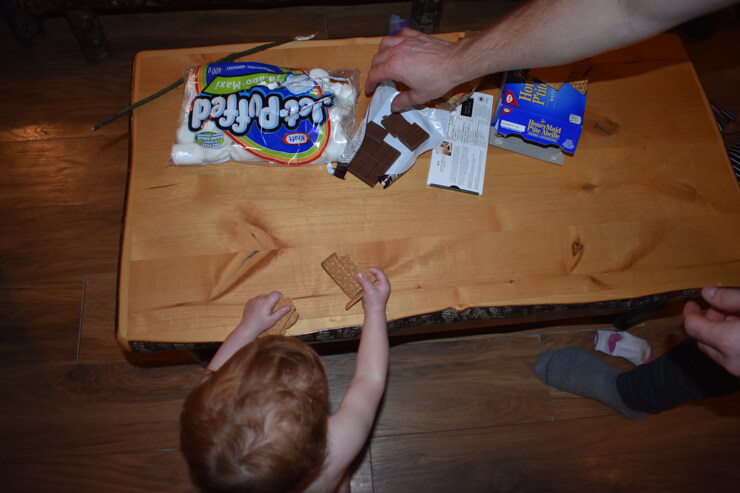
[(388, 155), (368, 166), (369, 147), (395, 124), (375, 132), (413, 137)]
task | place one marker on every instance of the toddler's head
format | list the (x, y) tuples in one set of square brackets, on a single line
[(259, 423)]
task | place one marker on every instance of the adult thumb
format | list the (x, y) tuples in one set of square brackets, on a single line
[(724, 299)]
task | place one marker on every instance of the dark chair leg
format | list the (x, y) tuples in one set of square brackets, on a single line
[(86, 27), (425, 15), (26, 28)]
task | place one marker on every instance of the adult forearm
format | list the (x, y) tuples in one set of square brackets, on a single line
[(554, 32)]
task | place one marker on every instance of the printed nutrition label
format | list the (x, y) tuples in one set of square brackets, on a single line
[(459, 163)]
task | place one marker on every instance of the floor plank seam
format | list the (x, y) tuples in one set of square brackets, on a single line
[(82, 317), (456, 430), (65, 139), (101, 205), (10, 284), (91, 454)]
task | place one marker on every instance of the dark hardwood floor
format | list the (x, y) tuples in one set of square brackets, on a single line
[(460, 415)]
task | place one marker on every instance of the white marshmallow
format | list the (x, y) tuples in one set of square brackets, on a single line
[(184, 135), (338, 141), (217, 155), (332, 152), (187, 154), (299, 83), (318, 73), (336, 88), (349, 94), (238, 153), (339, 136)]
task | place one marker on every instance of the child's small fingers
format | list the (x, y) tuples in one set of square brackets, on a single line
[(273, 298), (382, 279), (364, 281)]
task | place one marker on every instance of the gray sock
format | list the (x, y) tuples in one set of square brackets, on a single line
[(574, 370)]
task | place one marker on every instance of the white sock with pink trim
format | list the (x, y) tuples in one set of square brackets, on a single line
[(623, 344)]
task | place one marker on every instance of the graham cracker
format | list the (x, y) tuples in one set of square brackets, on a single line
[(286, 321), (575, 74), (343, 270)]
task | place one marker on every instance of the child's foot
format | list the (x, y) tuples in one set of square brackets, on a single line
[(574, 370)]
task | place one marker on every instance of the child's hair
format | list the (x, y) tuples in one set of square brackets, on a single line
[(259, 423)]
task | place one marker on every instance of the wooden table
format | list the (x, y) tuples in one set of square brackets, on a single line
[(647, 206)]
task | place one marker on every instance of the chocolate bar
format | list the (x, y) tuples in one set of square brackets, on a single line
[(395, 124), (375, 132), (372, 160), (413, 137)]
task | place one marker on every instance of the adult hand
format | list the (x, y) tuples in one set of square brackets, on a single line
[(428, 66), (717, 331)]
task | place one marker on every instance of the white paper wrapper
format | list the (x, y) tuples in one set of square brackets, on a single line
[(432, 120)]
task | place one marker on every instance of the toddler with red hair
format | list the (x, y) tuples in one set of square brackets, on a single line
[(259, 420)]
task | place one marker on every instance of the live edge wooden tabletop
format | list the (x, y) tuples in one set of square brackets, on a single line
[(647, 205)]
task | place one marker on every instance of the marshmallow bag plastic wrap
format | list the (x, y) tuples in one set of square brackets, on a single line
[(257, 113)]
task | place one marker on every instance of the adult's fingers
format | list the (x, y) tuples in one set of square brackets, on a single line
[(691, 308), (405, 99), (391, 41), (407, 32), (725, 299), (707, 331), (715, 315), (378, 73), (380, 70), (412, 33)]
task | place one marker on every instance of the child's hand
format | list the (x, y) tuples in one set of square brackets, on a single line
[(258, 316), (376, 295)]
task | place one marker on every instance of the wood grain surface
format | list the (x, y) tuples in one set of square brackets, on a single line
[(608, 453), (650, 204), (107, 422)]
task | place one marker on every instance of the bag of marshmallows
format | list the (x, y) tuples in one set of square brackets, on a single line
[(257, 113)]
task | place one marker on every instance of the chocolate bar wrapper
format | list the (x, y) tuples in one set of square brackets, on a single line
[(432, 121)]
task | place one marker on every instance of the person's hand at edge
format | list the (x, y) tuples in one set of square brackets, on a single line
[(256, 318), (376, 294), (428, 66), (258, 315), (717, 331)]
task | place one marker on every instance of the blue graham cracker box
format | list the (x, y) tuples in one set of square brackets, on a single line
[(540, 112)]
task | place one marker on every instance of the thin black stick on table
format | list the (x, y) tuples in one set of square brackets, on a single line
[(226, 59)]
